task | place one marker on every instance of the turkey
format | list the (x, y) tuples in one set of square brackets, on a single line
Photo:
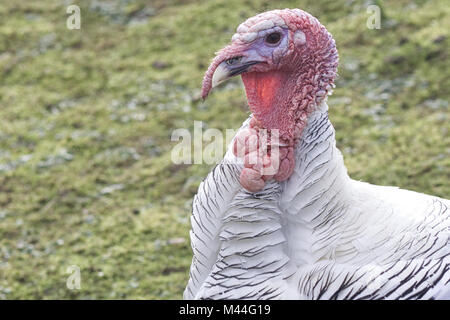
[(279, 217)]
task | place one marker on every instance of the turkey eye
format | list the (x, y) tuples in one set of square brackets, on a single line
[(273, 38)]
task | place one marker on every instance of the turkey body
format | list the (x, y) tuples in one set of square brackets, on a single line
[(317, 235)]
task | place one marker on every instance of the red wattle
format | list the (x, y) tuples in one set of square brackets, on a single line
[(263, 90)]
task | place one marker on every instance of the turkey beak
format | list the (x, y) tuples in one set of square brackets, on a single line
[(230, 68), (226, 65)]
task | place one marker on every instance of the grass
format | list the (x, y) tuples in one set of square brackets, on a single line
[(86, 118)]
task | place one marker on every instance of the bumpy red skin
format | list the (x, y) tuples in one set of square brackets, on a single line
[(262, 162), (281, 93)]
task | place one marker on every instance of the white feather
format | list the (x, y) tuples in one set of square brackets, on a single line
[(319, 235)]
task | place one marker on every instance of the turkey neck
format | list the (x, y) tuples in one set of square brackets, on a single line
[(313, 199)]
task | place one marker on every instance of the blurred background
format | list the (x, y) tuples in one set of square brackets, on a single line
[(86, 116)]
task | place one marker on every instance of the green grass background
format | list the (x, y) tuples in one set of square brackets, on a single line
[(86, 118)]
